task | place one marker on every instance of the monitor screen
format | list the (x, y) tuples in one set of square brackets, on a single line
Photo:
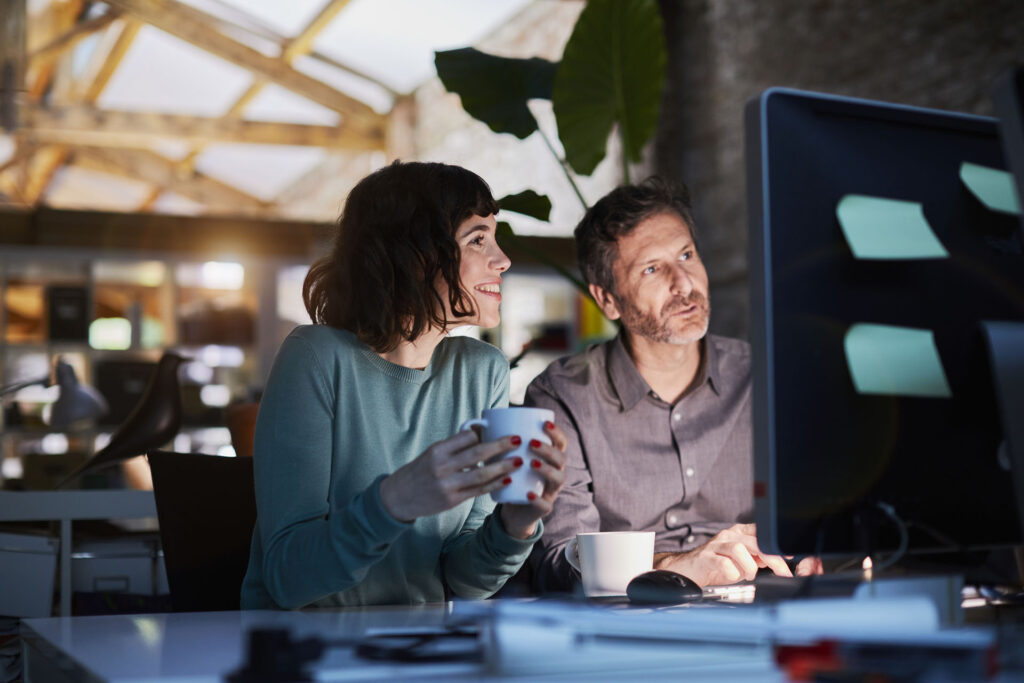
[(880, 239)]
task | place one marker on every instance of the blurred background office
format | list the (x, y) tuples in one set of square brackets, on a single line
[(169, 169)]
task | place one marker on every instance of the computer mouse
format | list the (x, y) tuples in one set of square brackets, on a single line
[(662, 587)]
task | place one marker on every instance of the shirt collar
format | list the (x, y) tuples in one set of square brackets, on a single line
[(631, 386)]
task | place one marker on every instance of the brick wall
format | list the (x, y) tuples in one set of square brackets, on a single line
[(932, 53)]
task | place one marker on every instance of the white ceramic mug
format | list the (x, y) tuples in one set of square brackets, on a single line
[(527, 424), (608, 560)]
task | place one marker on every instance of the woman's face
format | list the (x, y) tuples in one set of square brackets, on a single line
[(482, 263)]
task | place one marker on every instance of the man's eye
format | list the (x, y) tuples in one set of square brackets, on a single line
[(649, 269), (687, 255)]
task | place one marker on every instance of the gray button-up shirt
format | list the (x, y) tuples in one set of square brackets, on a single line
[(638, 463)]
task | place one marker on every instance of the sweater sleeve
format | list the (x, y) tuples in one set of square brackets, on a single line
[(483, 556), (314, 545)]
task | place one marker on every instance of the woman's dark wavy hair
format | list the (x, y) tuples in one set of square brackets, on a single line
[(395, 237), (616, 215)]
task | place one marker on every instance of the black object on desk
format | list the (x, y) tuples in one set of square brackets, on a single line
[(663, 587)]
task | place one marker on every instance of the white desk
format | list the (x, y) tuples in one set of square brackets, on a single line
[(521, 641), (68, 506)]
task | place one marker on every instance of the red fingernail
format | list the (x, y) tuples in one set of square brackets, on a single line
[(549, 425), (516, 440), (517, 461), (506, 481), (534, 443), (531, 496), (535, 464)]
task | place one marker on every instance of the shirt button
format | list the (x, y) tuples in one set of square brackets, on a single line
[(673, 520), (689, 471), (691, 538), (677, 417)]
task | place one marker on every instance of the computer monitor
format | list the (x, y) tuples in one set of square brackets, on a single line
[(860, 444)]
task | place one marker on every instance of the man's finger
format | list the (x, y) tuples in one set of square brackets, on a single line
[(740, 556), (773, 562)]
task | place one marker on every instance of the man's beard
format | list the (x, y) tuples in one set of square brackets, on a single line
[(659, 328)]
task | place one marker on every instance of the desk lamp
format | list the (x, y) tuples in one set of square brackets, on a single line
[(154, 421), (76, 401)]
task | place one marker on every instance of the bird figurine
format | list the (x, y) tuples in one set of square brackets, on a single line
[(154, 420)]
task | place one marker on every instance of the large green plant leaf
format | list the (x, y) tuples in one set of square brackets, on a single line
[(611, 73), (495, 89), (528, 203)]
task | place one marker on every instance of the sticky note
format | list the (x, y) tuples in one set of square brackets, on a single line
[(898, 361), (878, 228), (993, 187)]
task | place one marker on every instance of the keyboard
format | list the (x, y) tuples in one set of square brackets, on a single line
[(769, 588)]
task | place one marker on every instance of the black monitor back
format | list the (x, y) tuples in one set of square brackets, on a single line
[(827, 458)]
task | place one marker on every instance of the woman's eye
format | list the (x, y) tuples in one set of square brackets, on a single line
[(477, 241)]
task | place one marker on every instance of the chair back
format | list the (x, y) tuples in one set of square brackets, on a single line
[(206, 509)]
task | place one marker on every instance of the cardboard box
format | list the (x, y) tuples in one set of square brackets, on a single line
[(126, 564), (28, 568)]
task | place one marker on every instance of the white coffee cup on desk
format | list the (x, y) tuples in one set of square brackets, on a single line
[(527, 424), (608, 560)]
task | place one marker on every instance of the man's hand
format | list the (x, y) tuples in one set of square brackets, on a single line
[(731, 555)]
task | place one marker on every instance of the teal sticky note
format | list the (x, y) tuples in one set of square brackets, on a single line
[(897, 361), (993, 187), (878, 228)]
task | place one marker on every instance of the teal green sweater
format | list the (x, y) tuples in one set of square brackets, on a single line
[(335, 419)]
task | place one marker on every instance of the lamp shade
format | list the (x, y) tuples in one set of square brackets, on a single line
[(77, 401)]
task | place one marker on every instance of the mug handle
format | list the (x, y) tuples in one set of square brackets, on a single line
[(572, 554), (475, 422)]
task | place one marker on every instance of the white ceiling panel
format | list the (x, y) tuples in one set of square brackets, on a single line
[(6, 148), (274, 103), (73, 187), (363, 90), (260, 170), (173, 203), (394, 40), (163, 73), (287, 17)]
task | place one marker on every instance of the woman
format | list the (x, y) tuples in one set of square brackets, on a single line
[(364, 495)]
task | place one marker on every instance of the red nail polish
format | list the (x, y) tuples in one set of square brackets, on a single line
[(549, 425), (534, 443), (531, 496), (506, 481), (535, 464), (516, 440), (517, 461)]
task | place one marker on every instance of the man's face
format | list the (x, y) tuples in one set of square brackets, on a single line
[(660, 282)]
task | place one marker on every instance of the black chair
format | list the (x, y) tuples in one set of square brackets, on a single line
[(207, 509)]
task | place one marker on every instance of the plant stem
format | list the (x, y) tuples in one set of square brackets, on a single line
[(565, 168)]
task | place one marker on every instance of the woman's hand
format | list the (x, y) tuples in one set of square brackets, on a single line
[(446, 474), (548, 461)]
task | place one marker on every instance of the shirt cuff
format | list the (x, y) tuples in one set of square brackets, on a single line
[(505, 543), (378, 520)]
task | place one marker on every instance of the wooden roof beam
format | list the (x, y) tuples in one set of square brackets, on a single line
[(72, 37), (88, 125), (193, 26), (154, 168)]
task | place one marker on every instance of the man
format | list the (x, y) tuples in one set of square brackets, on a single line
[(659, 417)]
